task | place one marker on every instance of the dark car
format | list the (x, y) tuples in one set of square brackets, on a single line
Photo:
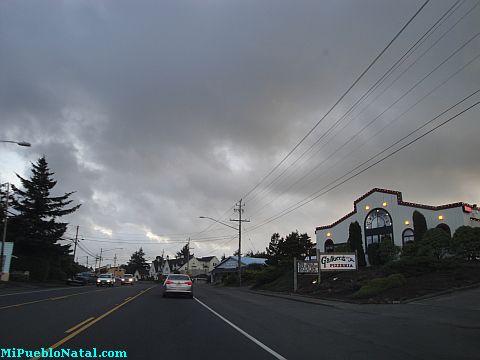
[(90, 276), (77, 280)]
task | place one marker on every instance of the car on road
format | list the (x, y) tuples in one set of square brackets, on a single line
[(106, 280), (179, 284), (77, 279), (127, 279)]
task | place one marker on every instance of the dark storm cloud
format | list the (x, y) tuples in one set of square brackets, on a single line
[(157, 112)]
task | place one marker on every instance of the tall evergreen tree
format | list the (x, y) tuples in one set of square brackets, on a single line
[(419, 226), (35, 227), (137, 262), (355, 242), (273, 250), (183, 254)]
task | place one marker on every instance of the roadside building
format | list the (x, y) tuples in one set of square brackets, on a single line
[(172, 266), (116, 271), (156, 268), (383, 213), (230, 265), (197, 266)]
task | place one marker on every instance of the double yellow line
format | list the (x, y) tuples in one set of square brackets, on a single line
[(79, 328)]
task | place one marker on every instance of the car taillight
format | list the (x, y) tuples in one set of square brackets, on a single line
[(168, 282), (188, 283)]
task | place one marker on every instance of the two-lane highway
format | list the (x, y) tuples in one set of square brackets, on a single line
[(234, 323)]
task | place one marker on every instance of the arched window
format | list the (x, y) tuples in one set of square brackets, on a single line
[(329, 247), (407, 236), (445, 228), (378, 225)]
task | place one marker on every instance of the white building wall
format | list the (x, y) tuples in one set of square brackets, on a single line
[(453, 217)]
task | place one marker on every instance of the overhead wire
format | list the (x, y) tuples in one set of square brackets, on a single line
[(394, 103), (346, 178), (373, 87), (357, 80)]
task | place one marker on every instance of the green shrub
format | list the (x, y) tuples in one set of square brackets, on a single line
[(435, 243), (466, 243), (372, 252), (378, 286), (387, 251), (268, 275), (417, 265)]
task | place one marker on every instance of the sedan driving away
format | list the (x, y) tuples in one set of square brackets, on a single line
[(178, 284)]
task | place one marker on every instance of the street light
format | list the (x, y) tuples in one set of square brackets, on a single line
[(20, 143)]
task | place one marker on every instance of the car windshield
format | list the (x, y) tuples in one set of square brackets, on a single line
[(105, 276), (178, 277), (127, 276)]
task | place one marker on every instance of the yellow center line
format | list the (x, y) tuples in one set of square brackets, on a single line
[(84, 327), (47, 299), (78, 325)]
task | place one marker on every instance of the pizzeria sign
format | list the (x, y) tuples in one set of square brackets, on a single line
[(338, 261)]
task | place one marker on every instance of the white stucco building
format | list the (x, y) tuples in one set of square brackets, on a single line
[(382, 212)]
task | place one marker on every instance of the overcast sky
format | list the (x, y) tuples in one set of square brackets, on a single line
[(157, 112)]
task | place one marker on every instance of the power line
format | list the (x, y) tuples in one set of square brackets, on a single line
[(377, 117), (340, 99), (320, 193), (371, 122), (402, 59)]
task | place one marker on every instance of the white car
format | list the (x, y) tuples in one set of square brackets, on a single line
[(178, 284), (106, 280), (127, 279)]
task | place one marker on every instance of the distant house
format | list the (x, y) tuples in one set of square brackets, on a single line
[(230, 265), (137, 275), (156, 268), (171, 266), (196, 266), (116, 271)]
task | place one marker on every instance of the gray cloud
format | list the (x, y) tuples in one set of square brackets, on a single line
[(158, 112)]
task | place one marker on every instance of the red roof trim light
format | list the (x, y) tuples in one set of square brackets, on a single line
[(467, 209), (400, 202)]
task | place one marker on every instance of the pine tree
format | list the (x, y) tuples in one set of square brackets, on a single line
[(137, 262), (35, 227), (419, 226), (355, 242)]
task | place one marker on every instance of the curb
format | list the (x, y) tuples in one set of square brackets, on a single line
[(327, 302), (298, 298), (440, 293)]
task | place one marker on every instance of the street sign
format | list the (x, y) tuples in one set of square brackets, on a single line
[(307, 267)]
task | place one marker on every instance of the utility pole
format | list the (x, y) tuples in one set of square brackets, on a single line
[(115, 260), (240, 210), (76, 241), (100, 259), (188, 255), (87, 262)]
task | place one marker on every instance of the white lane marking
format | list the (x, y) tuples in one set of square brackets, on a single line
[(36, 291), (244, 333)]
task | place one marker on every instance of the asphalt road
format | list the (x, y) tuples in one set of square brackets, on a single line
[(233, 323)]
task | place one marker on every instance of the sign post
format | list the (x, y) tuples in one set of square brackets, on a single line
[(295, 284)]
